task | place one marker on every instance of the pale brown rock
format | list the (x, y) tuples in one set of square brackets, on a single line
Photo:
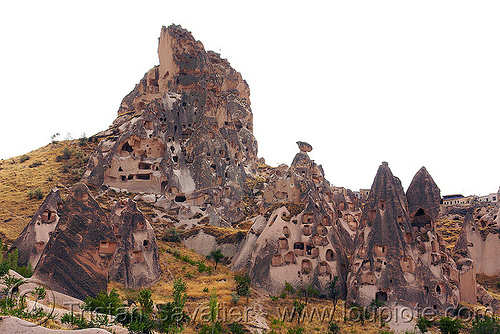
[(34, 238)]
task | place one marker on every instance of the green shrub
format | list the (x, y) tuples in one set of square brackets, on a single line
[(104, 303), (172, 235), (423, 324), (83, 140), (236, 328), (485, 326), (35, 164), (333, 328), (448, 325), (295, 330), (23, 158), (35, 193), (243, 285)]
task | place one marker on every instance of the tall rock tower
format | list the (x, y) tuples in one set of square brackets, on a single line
[(184, 132)]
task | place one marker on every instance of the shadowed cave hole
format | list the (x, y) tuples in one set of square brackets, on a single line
[(180, 198), (381, 296), (127, 148)]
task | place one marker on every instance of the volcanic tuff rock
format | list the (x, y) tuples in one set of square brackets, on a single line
[(422, 193), (74, 261), (481, 244), (398, 258), (33, 239), (184, 132), (303, 236), (135, 263)]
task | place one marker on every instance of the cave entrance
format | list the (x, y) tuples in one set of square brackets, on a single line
[(381, 296)]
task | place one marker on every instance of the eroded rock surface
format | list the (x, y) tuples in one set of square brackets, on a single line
[(184, 132), (135, 263), (34, 238), (398, 258), (74, 261), (300, 238)]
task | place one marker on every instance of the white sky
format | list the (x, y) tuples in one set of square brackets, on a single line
[(409, 82)]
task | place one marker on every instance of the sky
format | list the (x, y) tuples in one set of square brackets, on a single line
[(413, 83)]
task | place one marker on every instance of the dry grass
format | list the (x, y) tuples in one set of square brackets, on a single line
[(17, 178), (450, 230)]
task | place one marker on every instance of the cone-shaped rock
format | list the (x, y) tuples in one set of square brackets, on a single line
[(184, 132), (300, 239), (423, 194), (34, 238), (135, 263), (395, 262), (76, 259)]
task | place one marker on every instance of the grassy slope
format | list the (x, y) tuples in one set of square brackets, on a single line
[(17, 178)]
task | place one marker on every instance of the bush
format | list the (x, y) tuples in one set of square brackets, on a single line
[(66, 154), (243, 285), (448, 325), (295, 330), (83, 140), (423, 324), (485, 326), (172, 235), (23, 158), (35, 164), (236, 328), (333, 328), (104, 303), (36, 193)]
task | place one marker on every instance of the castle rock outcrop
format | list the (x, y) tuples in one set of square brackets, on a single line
[(184, 132)]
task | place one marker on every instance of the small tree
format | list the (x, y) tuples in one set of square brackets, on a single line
[(299, 308), (243, 285), (217, 256), (333, 289), (333, 328), (423, 324), (213, 309), (145, 301)]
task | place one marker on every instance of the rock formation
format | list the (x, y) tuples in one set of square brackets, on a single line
[(76, 259), (300, 238), (480, 244), (184, 132), (398, 258), (423, 196), (135, 263), (34, 238)]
